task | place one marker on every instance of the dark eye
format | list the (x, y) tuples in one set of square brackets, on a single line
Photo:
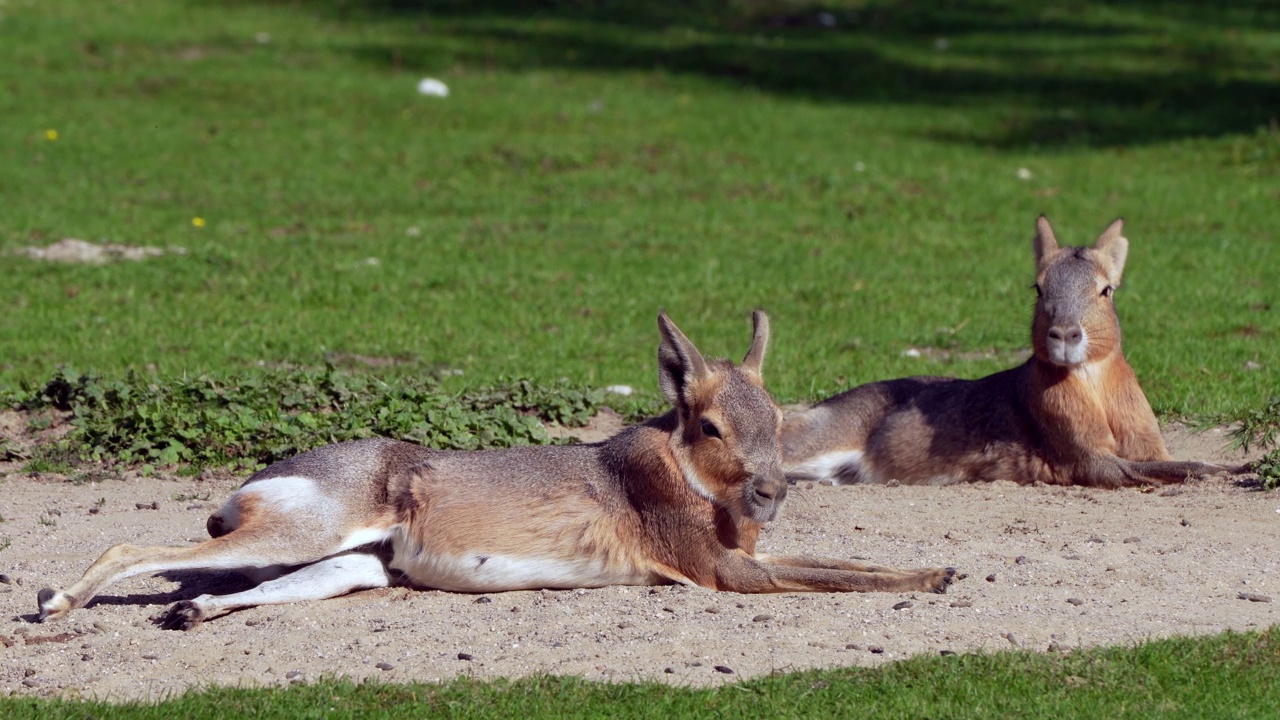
[(1107, 291), (1039, 291), (709, 428)]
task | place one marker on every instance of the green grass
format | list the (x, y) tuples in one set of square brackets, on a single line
[(1229, 676), (598, 161), (595, 162)]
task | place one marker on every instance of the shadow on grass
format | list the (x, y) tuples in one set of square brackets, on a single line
[(1055, 74)]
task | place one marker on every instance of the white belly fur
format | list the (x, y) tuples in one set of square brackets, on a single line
[(475, 571)]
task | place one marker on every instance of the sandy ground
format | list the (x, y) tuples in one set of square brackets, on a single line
[(1047, 567)]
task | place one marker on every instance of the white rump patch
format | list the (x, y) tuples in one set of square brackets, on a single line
[(285, 494), (842, 467)]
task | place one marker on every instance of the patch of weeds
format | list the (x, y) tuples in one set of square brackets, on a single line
[(1261, 428), (1268, 469), (9, 451), (100, 503), (47, 521), (187, 497), (253, 419), (56, 458), (89, 476), (5, 543), (1, 518)]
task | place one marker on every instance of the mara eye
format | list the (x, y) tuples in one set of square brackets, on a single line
[(1039, 291), (1107, 291), (709, 428)]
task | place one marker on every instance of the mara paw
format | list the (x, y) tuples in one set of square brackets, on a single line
[(183, 615), (53, 604), (937, 580)]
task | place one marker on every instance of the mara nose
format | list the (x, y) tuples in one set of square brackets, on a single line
[(770, 491), (1069, 335)]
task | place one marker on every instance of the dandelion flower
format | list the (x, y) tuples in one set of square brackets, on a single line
[(50, 134), (197, 221)]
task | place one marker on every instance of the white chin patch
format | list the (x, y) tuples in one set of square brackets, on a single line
[(692, 477), (1070, 355)]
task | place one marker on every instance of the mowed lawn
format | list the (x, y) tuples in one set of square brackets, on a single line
[(868, 171), (872, 184)]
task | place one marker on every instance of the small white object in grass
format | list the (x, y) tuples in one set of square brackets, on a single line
[(623, 390), (371, 261), (859, 166), (1024, 174), (432, 87), (262, 38), (413, 231), (941, 44), (911, 353)]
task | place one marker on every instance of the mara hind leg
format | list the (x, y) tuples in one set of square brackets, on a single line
[(266, 524), (330, 577)]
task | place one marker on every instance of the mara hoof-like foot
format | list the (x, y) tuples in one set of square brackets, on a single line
[(183, 615), (53, 604)]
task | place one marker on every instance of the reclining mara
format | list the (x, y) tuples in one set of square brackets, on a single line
[(680, 498), (1071, 414)]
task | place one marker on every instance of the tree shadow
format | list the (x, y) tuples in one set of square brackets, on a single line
[(1061, 74)]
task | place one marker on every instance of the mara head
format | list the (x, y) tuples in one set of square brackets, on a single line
[(1075, 320), (726, 437)]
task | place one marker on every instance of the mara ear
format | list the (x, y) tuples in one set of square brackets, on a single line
[(679, 363), (1114, 249), (754, 360), (1044, 243)]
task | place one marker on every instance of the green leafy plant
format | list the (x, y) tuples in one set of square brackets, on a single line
[(257, 418), (1261, 428)]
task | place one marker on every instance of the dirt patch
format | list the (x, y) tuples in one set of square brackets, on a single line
[(20, 432), (71, 250), (1064, 567), (605, 424)]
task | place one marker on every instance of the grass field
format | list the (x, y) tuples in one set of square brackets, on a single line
[(867, 171), (598, 161)]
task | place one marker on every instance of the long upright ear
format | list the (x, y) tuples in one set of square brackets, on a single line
[(1114, 248), (1044, 243), (754, 361), (679, 362)]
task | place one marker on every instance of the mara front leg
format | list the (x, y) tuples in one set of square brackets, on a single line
[(763, 574)]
